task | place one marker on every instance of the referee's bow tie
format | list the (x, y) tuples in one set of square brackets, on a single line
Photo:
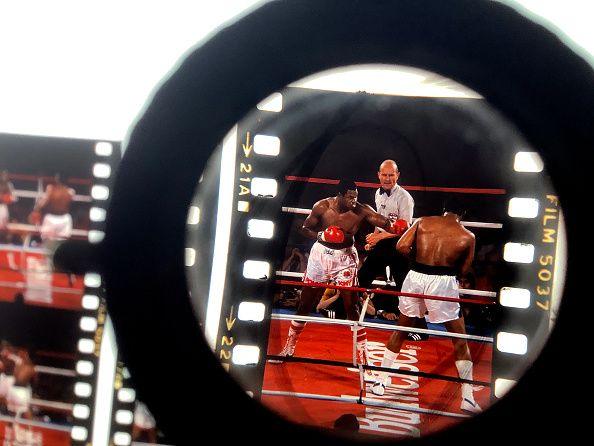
[(384, 191)]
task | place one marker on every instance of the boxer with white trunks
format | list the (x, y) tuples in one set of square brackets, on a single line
[(440, 248), (6, 374), (6, 383), (7, 197), (18, 399), (333, 223), (57, 221)]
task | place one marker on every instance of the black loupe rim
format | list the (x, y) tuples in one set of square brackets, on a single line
[(519, 67)]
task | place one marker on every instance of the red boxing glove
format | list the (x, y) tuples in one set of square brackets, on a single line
[(332, 234), (399, 227), (7, 198), (34, 218)]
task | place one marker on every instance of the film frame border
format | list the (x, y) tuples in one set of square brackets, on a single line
[(534, 217), (237, 329), (537, 256), (94, 317)]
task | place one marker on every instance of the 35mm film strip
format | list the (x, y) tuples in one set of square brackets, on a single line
[(104, 408), (294, 150), (57, 341)]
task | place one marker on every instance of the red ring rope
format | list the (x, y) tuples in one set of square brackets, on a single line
[(364, 184), (380, 291)]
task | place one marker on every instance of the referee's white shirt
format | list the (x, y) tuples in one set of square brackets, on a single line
[(399, 205)]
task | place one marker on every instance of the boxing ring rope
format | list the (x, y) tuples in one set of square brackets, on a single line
[(305, 360), (55, 371), (24, 286), (25, 249), (25, 228), (371, 402), (27, 177), (33, 423), (382, 291), (56, 405), (21, 193), (367, 185), (468, 224), (379, 326), (463, 291)]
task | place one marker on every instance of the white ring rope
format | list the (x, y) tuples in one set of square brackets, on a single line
[(24, 286), (31, 228), (321, 320), (55, 371), (51, 426), (34, 194), (51, 404), (468, 224), (366, 401)]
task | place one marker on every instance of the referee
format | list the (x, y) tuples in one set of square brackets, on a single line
[(394, 202)]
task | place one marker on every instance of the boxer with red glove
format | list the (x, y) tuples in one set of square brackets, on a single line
[(7, 198), (332, 234), (333, 259), (399, 227)]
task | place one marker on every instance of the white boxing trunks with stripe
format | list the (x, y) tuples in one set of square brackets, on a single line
[(326, 265)]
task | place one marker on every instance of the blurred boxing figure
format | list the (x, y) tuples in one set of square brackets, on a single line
[(15, 381), (7, 197), (441, 248), (19, 396), (144, 428), (55, 203), (6, 374), (333, 223)]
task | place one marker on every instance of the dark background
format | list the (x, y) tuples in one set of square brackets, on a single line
[(437, 142)]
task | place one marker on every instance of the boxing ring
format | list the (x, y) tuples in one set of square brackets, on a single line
[(324, 379)]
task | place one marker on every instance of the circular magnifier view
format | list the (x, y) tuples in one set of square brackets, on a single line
[(368, 235), (368, 247)]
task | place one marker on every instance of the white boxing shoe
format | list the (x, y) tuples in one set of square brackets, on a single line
[(368, 376), (470, 406), (378, 388)]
